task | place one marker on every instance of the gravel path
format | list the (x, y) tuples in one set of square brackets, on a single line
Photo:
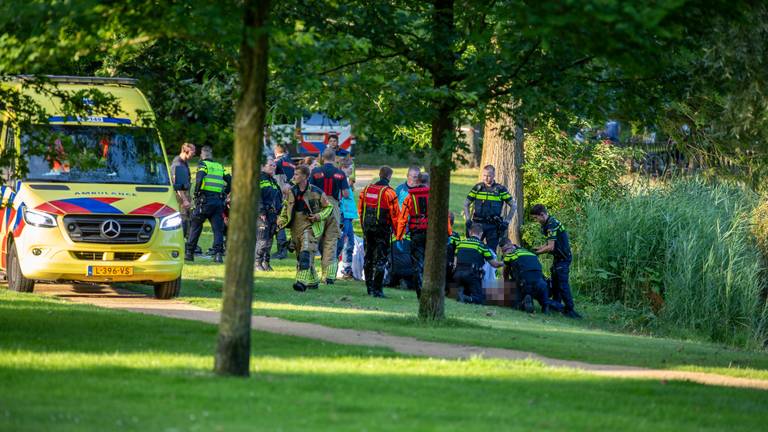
[(108, 297)]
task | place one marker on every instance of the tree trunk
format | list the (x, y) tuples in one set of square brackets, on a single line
[(432, 301), (503, 141), (233, 353)]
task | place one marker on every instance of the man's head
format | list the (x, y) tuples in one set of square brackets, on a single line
[(385, 173), (476, 230), (489, 175), (423, 179), (329, 155), (539, 213), (280, 149), (187, 151), (333, 141), (301, 174), (206, 152), (269, 167), (507, 246), (413, 176)]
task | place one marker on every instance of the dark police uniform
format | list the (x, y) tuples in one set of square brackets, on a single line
[(525, 268), (561, 288), (471, 255), (284, 169), (379, 211), (332, 181), (182, 183), (271, 204), (211, 187), (453, 241), (488, 205)]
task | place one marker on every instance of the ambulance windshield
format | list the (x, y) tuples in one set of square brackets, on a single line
[(93, 154)]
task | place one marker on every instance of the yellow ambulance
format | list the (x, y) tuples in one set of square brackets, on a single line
[(87, 198)]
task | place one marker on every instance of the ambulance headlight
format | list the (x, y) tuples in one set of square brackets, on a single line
[(170, 223), (39, 219)]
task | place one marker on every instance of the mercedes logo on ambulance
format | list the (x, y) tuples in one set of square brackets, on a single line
[(110, 229)]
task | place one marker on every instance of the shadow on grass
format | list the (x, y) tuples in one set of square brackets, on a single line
[(302, 396)]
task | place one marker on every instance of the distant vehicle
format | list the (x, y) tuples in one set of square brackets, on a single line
[(309, 136), (95, 202)]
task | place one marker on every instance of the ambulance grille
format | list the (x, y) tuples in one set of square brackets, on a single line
[(98, 256), (87, 229)]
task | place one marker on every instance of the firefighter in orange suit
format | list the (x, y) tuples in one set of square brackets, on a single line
[(414, 216), (378, 211)]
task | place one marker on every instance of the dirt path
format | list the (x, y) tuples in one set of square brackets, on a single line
[(108, 297)]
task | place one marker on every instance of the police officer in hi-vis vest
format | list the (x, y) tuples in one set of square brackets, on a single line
[(378, 211), (487, 200), (269, 208), (211, 187)]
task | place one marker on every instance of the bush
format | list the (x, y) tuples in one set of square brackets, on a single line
[(685, 251), (563, 173)]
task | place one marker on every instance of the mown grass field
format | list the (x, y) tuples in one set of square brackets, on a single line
[(72, 368)]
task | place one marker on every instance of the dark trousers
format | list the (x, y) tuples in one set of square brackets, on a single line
[(533, 284), (470, 286), (282, 239), (418, 249), (211, 211), (490, 235), (376, 252), (561, 288), (264, 235), (347, 248)]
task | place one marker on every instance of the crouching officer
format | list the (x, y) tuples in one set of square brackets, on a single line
[(471, 255), (560, 248), (211, 186), (524, 267), (487, 200), (271, 204), (305, 212), (379, 212)]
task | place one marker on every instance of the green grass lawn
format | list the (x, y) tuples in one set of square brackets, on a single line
[(71, 367), (596, 339)]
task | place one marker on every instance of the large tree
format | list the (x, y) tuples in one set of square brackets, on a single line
[(234, 347)]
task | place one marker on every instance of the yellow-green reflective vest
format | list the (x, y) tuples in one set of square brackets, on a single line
[(214, 177)]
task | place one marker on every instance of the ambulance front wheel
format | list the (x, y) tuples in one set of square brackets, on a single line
[(168, 290), (16, 280)]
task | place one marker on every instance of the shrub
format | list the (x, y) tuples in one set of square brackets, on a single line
[(684, 250), (563, 173)]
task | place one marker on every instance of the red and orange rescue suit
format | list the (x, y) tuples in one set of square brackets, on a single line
[(378, 211)]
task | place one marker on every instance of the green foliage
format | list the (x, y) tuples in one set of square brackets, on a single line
[(684, 250), (563, 173)]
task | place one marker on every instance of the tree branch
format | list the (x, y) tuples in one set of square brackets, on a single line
[(360, 61)]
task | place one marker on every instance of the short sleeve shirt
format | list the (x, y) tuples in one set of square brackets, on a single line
[(472, 251), (554, 230), (330, 180)]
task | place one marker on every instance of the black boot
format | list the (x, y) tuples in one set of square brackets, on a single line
[(218, 258), (282, 252), (298, 286), (189, 256)]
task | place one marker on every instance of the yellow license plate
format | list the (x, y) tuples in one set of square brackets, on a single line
[(110, 271)]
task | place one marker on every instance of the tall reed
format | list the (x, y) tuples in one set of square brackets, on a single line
[(685, 250)]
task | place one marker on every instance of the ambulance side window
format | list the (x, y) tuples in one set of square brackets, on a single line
[(8, 155)]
